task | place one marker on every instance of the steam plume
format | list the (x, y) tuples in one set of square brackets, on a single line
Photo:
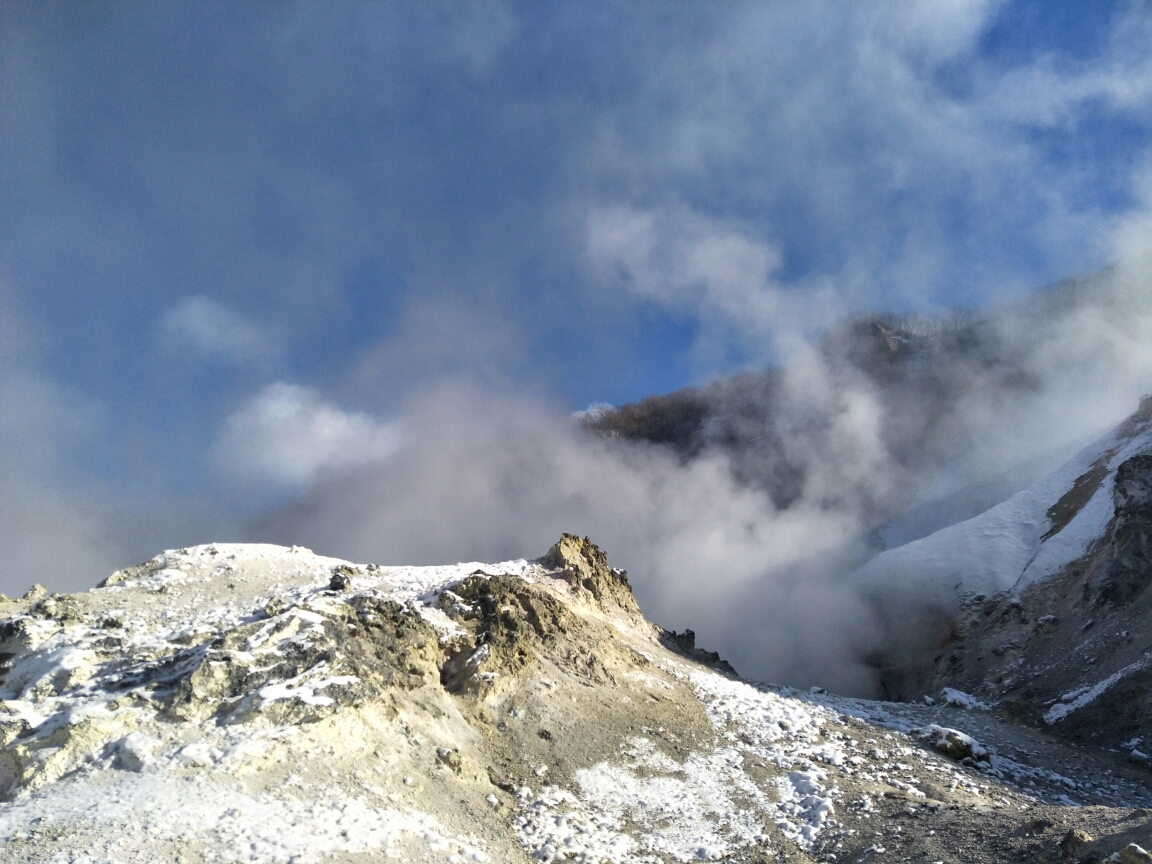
[(740, 508)]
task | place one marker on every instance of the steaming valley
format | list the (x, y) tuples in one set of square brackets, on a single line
[(265, 704)]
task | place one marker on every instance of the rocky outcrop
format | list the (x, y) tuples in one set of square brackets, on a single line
[(366, 649), (956, 744), (585, 568), (1125, 569), (1133, 853), (511, 627)]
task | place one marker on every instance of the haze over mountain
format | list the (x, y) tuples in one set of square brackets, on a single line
[(751, 294), (742, 506), (247, 251)]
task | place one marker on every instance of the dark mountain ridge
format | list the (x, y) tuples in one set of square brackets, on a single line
[(937, 383)]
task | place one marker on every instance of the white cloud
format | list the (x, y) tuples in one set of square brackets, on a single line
[(711, 270), (214, 330), (818, 157), (288, 435), (876, 148)]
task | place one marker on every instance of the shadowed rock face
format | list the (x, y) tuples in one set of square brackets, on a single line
[(1127, 570)]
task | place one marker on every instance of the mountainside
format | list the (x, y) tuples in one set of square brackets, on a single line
[(1043, 599), (265, 704), (914, 396), (933, 381), (925, 377)]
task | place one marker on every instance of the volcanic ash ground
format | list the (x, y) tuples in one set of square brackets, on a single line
[(256, 703)]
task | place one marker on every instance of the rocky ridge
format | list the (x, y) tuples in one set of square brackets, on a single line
[(264, 704)]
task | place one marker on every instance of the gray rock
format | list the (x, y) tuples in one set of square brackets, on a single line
[(1130, 854), (955, 744)]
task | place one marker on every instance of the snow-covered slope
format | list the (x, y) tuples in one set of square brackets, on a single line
[(230, 703), (1043, 603), (1032, 535)]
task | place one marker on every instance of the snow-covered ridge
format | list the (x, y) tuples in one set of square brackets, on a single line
[(1016, 542), (1078, 698)]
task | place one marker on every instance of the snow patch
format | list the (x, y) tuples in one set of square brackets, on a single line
[(960, 699), (802, 809), (1007, 546), (683, 811), (1079, 698)]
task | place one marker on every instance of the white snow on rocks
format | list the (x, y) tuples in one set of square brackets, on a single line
[(708, 806), (951, 696), (802, 809), (955, 743), (1077, 699), (1005, 547), (239, 826), (787, 733), (115, 776), (305, 685), (75, 695), (684, 811)]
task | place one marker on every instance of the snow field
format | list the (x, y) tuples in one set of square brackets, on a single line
[(224, 822), (1005, 547)]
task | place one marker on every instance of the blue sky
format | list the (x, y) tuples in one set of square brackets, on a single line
[(238, 242)]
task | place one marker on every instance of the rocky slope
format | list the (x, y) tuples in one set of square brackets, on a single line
[(1043, 601), (265, 704)]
